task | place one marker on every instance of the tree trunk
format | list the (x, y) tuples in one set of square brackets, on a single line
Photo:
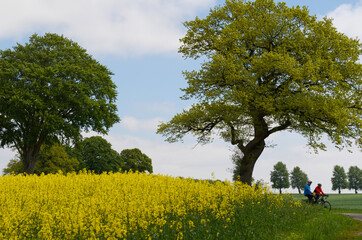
[(280, 191), (299, 190), (252, 150), (29, 158), (251, 154), (339, 190)]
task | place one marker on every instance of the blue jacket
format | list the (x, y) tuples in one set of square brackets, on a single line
[(307, 190)]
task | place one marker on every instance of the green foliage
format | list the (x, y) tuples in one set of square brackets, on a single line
[(51, 159), (339, 179), (268, 68), (280, 176), (354, 178), (135, 160), (55, 158), (52, 89), (298, 179), (95, 153), (236, 159), (14, 166)]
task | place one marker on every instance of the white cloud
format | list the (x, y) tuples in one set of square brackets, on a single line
[(156, 107), (137, 125), (347, 18), (123, 27)]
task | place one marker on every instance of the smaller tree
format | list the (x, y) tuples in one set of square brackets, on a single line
[(15, 166), (95, 153), (298, 179), (135, 160), (55, 158), (354, 178), (280, 177), (236, 159), (339, 179)]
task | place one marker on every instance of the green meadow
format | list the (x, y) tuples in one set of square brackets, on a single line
[(332, 225), (341, 202)]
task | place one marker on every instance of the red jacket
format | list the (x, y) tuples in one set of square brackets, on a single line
[(318, 190)]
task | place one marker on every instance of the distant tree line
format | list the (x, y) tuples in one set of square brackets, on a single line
[(281, 178), (93, 153)]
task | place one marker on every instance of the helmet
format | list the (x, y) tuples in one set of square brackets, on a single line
[(309, 181)]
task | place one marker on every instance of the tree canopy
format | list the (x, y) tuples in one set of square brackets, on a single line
[(354, 178), (15, 166), (280, 176), (51, 89), (267, 68), (135, 160), (55, 158), (339, 179), (96, 153), (236, 159), (298, 179)]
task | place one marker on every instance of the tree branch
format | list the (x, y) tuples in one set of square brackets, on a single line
[(235, 141), (280, 127)]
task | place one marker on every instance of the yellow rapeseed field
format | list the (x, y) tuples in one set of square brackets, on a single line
[(118, 205)]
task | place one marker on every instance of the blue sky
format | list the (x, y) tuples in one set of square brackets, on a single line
[(138, 41)]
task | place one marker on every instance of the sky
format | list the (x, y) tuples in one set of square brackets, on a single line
[(138, 41)]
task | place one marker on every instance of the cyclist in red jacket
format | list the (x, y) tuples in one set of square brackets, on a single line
[(318, 192)]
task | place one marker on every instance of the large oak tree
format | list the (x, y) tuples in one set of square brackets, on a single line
[(267, 67), (51, 89)]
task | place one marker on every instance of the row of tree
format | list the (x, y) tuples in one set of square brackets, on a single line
[(298, 179), (93, 153)]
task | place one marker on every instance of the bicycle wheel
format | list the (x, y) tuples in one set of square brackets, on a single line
[(327, 205)]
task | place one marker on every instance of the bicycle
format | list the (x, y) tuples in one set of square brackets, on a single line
[(320, 202), (324, 203)]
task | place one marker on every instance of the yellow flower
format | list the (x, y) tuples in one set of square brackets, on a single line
[(114, 205)]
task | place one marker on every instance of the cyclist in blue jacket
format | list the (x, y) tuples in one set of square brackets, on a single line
[(307, 192)]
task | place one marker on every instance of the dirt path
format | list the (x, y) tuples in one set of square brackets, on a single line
[(357, 216)]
